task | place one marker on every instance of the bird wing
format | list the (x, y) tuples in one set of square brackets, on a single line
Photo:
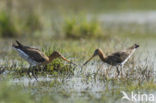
[(35, 54), (117, 57), (20, 46)]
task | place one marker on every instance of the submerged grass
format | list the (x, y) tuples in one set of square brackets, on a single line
[(60, 81)]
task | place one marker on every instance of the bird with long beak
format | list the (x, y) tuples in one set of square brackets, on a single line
[(34, 56), (115, 59)]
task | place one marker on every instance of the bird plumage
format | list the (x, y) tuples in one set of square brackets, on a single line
[(34, 56), (115, 58)]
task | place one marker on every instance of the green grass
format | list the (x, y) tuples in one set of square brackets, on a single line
[(7, 26), (87, 5), (45, 28), (11, 94), (46, 19), (12, 26), (80, 27), (32, 23), (64, 79)]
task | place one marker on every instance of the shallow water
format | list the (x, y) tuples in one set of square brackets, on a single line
[(130, 17), (146, 53), (84, 82), (143, 22), (84, 79)]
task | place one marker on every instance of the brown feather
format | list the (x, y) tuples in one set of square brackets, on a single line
[(115, 58), (36, 55)]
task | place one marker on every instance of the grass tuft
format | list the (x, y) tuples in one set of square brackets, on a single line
[(81, 27), (7, 27)]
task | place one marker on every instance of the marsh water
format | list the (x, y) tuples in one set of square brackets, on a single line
[(84, 83)]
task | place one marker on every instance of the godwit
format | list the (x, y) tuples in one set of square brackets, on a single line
[(34, 56), (115, 59)]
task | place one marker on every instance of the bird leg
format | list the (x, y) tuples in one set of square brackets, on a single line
[(117, 68), (121, 70), (108, 70), (34, 73), (29, 70), (45, 68)]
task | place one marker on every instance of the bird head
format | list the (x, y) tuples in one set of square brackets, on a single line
[(96, 52), (56, 54)]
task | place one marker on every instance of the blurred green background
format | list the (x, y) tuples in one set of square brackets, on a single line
[(76, 28), (77, 18)]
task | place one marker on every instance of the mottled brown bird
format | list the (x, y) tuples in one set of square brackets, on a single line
[(116, 59), (34, 56)]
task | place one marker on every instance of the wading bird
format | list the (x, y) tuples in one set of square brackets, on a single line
[(34, 56), (116, 59)]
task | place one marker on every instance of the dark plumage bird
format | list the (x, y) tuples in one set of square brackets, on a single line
[(117, 58), (34, 56)]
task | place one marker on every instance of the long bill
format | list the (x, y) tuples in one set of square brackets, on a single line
[(89, 60), (67, 60)]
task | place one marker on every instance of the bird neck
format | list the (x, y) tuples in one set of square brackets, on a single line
[(52, 57), (102, 56)]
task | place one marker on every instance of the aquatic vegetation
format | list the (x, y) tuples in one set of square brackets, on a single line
[(81, 27), (60, 81), (48, 24), (7, 26), (33, 22)]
